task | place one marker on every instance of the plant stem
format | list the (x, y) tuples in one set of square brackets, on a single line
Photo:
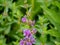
[(32, 4)]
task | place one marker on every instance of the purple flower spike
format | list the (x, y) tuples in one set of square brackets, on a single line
[(27, 33), (24, 19)]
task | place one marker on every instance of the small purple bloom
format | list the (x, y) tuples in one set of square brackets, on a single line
[(31, 23), (32, 39), (24, 19), (28, 43), (22, 42), (34, 31), (27, 33), (28, 39)]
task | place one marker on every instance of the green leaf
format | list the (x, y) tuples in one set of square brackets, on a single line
[(54, 32), (56, 3), (7, 30), (53, 17)]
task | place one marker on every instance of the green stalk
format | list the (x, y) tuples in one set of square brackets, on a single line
[(32, 8), (32, 4)]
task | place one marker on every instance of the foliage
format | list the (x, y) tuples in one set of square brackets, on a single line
[(46, 14)]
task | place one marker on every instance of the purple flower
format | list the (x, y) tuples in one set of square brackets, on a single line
[(28, 39), (27, 33), (24, 19), (22, 42), (28, 43), (32, 39)]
